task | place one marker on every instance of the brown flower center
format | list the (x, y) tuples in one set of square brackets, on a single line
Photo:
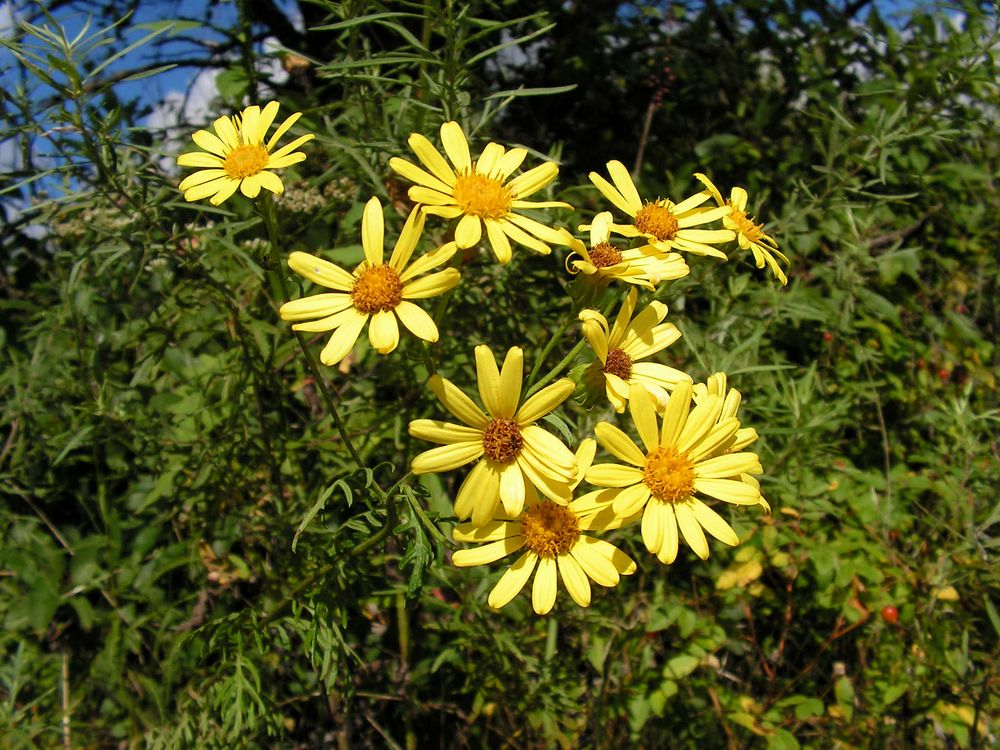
[(605, 255), (618, 363), (502, 440), (657, 220), (482, 196), (669, 475), (745, 225), (549, 530), (245, 161), (377, 289)]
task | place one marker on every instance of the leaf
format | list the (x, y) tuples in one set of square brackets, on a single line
[(318, 506)]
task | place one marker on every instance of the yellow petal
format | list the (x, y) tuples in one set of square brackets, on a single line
[(511, 582), (480, 488), (320, 271), (438, 431), (713, 523), (469, 231), (373, 232), (574, 579), (487, 553), (623, 182), (543, 592), (343, 340), (455, 401), (691, 530), (417, 321), (642, 407), (432, 285), (545, 401), (456, 146), (383, 332), (446, 457), (619, 445)]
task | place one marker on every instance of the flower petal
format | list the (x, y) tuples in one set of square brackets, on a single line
[(417, 321), (728, 490), (675, 415), (499, 242), (383, 331), (469, 231), (623, 182), (668, 546), (652, 527), (320, 271), (432, 285), (487, 553), (431, 158), (373, 232), (511, 582), (631, 499), (543, 592), (343, 340), (316, 306), (456, 146), (480, 487), (713, 523), (438, 431), (575, 579), (210, 142), (199, 159), (455, 401), (511, 489), (642, 407), (545, 401), (613, 475), (619, 445), (446, 457), (691, 529), (407, 240)]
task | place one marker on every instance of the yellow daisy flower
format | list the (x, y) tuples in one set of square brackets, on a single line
[(749, 233), (480, 192), (620, 347), (681, 462), (743, 437), (645, 266), (235, 156), (376, 290), (511, 450), (667, 225), (555, 543)]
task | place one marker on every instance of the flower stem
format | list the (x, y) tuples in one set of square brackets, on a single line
[(565, 361), (556, 335)]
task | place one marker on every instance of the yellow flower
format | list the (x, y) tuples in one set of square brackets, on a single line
[(646, 266), (743, 437), (620, 348), (682, 461), (749, 233), (237, 157), (555, 543), (480, 192), (667, 225), (512, 451), (376, 290)]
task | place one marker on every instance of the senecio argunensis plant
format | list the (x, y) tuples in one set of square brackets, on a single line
[(675, 454)]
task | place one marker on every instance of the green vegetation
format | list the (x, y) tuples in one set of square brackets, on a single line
[(190, 557)]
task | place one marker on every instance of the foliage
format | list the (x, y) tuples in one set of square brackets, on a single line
[(190, 558)]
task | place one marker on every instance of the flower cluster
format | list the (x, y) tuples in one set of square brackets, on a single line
[(522, 493)]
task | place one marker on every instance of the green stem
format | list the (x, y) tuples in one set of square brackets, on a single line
[(553, 340), (565, 361)]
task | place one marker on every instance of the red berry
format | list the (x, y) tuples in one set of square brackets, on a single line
[(944, 375), (890, 614), (827, 336)]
